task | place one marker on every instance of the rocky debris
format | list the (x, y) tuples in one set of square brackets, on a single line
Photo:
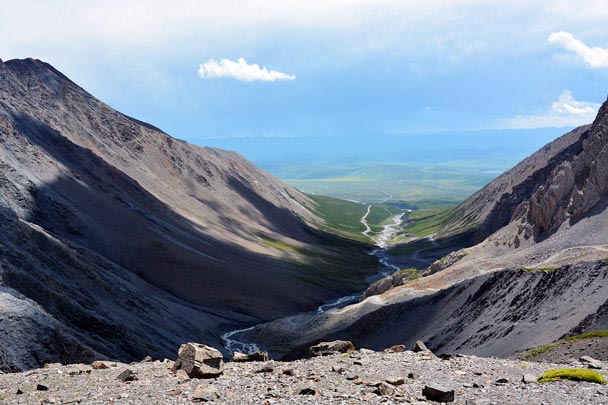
[(446, 261), (266, 368), (100, 365), (395, 381), (396, 349), (257, 356), (329, 348), (146, 359), (419, 346), (307, 390), (528, 379), (126, 375), (502, 380), (590, 362), (199, 361), (438, 393), (309, 382), (182, 376), (41, 387), (205, 393), (384, 389)]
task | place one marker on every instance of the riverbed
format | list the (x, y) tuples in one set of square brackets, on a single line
[(231, 339)]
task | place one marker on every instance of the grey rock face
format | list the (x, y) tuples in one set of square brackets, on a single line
[(329, 348), (438, 393), (199, 361)]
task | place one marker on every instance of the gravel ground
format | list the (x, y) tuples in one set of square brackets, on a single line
[(336, 379)]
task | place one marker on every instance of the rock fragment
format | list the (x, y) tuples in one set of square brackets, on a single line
[(419, 346), (590, 362), (395, 381), (126, 375), (205, 393), (307, 390), (329, 348), (528, 379), (438, 393), (199, 361), (257, 356), (42, 387), (396, 349), (384, 389)]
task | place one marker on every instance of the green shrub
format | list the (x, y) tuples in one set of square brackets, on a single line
[(575, 374), (595, 334)]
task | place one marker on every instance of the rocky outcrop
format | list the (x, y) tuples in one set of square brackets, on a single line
[(329, 348), (199, 361)]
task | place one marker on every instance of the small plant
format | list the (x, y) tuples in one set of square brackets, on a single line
[(574, 374), (595, 334), (539, 350)]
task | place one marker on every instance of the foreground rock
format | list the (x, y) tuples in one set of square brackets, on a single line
[(199, 361), (438, 393), (328, 348), (379, 378), (257, 356)]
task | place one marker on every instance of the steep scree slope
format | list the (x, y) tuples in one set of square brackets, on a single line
[(122, 241)]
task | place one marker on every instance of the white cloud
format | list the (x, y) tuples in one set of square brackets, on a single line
[(240, 70), (593, 56), (565, 112)]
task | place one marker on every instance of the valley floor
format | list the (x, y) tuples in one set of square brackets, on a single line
[(335, 379)]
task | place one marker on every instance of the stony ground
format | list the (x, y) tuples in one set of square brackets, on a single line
[(335, 379)]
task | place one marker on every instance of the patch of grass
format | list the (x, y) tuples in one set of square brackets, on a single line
[(574, 374), (595, 334), (411, 274), (539, 350), (427, 221), (277, 244), (343, 218)]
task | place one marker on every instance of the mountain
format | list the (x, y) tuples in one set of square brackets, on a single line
[(120, 241), (538, 271)]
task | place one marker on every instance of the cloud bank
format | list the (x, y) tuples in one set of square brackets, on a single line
[(240, 70), (593, 56), (565, 112)]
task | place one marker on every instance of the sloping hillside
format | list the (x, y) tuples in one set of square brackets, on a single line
[(122, 240), (538, 274)]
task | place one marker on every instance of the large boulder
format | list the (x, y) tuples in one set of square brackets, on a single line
[(329, 348), (199, 361)]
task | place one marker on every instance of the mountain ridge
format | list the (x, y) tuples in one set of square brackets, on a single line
[(112, 228)]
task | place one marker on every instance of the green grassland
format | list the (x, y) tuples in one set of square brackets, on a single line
[(446, 183), (344, 217)]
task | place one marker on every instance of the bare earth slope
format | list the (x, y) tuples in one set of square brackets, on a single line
[(120, 240), (548, 215)]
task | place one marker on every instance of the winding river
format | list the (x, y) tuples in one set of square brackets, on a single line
[(231, 339)]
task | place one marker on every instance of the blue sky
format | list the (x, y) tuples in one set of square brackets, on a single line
[(332, 68)]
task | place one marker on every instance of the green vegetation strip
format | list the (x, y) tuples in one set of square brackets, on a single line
[(574, 374), (537, 351)]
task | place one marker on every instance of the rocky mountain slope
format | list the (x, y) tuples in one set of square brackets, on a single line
[(539, 273), (119, 240), (361, 377)]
